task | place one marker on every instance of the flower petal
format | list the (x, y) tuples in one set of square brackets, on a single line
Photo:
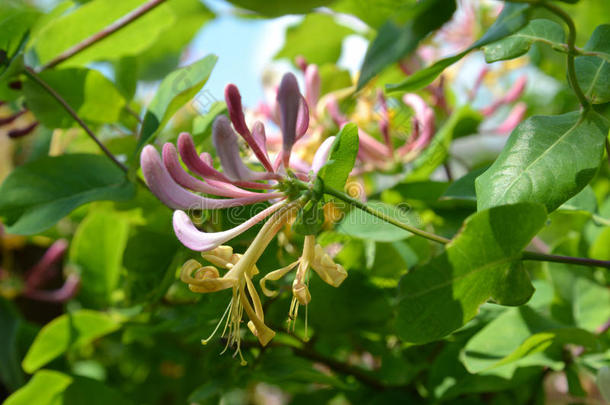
[(424, 116), (174, 196), (233, 100), (225, 142), (302, 119), (194, 239), (321, 156), (312, 85), (170, 158), (288, 99)]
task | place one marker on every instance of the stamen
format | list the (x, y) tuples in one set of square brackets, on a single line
[(205, 341)]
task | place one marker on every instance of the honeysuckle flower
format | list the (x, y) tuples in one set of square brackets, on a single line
[(239, 184)]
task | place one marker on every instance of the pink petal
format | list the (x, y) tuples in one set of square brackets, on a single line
[(189, 156), (516, 90), (170, 158), (424, 116), (384, 122), (233, 99), (40, 273), (289, 99), (225, 142), (332, 106), (514, 118), (302, 119), (174, 196), (194, 239), (321, 156), (301, 62), (312, 85), (372, 146), (63, 294)]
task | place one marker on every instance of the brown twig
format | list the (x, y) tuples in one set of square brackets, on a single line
[(109, 30), (32, 75)]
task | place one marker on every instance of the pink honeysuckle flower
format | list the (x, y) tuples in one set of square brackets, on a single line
[(312, 85), (178, 189)]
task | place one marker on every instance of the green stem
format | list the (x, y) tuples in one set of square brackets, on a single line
[(584, 102), (359, 204), (32, 75), (582, 261)]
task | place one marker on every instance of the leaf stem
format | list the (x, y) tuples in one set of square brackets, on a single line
[(582, 261), (584, 102), (32, 75), (359, 204), (109, 30)]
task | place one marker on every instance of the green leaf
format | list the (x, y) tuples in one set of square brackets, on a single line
[(14, 26), (97, 249), (65, 332), (543, 31), (363, 225), (373, 13), (66, 31), (11, 375), (333, 78), (341, 158), (42, 389), (148, 258), (520, 337), (94, 98), (590, 304), (310, 219), (276, 8), (175, 90), (584, 201), (464, 121), (159, 60), (394, 41), (441, 296), (512, 18), (593, 72), (318, 38), (547, 160), (49, 387), (38, 194), (463, 188)]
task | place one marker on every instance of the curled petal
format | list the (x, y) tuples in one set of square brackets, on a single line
[(256, 324), (222, 256), (63, 294), (204, 279), (327, 269), (174, 196), (288, 99), (274, 276), (312, 85), (227, 148), (194, 239), (321, 156), (170, 158)]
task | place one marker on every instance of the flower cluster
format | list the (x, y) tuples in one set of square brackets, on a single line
[(241, 185)]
